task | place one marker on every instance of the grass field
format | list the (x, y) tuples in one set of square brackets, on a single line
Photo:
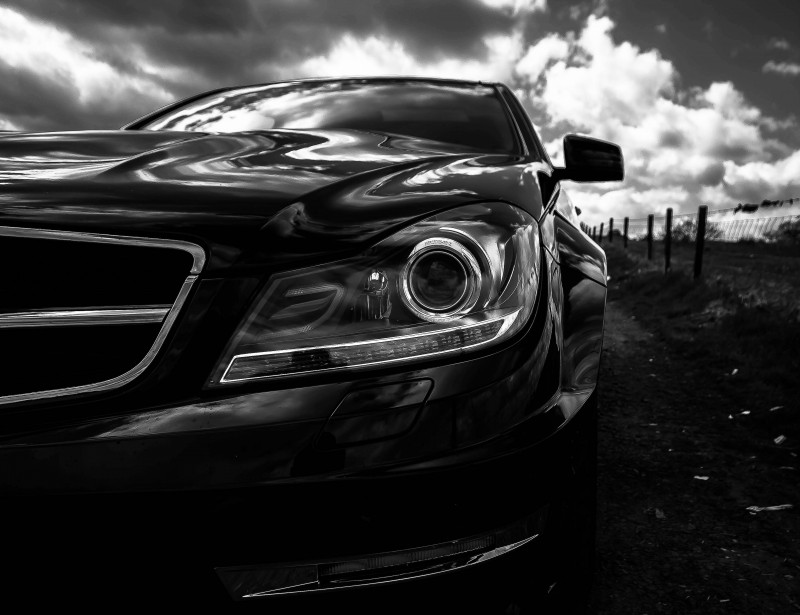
[(746, 307), (757, 273)]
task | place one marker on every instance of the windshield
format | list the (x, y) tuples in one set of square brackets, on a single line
[(471, 115)]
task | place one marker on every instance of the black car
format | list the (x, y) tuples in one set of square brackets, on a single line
[(298, 346)]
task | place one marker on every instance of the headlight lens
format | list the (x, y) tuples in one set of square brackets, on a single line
[(441, 278), (451, 283)]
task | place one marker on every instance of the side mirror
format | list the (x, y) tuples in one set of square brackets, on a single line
[(590, 160)]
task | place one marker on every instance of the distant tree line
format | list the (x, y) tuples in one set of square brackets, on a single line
[(686, 231)]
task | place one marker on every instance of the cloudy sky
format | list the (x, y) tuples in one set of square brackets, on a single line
[(702, 96)]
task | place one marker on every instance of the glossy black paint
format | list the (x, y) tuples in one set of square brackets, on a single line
[(313, 466)]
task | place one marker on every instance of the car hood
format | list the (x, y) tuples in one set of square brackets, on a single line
[(247, 197)]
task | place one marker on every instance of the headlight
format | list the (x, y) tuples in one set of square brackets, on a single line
[(454, 282)]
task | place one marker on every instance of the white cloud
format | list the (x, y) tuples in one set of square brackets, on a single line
[(779, 43), (8, 125), (725, 98), (607, 83), (678, 145), (628, 201), (373, 55), (782, 68), (546, 51), (757, 180), (518, 6), (30, 45)]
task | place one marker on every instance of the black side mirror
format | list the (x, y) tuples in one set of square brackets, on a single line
[(590, 160)]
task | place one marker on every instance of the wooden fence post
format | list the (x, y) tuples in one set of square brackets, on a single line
[(625, 233), (594, 233), (668, 240), (700, 240), (650, 220), (600, 236), (610, 230)]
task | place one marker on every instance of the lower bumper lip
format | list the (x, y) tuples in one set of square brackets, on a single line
[(262, 581)]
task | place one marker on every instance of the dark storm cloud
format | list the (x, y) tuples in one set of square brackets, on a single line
[(194, 45), (672, 138), (40, 103), (87, 17), (222, 40), (35, 100), (712, 175)]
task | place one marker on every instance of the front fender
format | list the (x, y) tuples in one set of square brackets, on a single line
[(579, 290)]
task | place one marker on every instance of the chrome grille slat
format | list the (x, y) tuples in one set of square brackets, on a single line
[(198, 255), (82, 317), (40, 312)]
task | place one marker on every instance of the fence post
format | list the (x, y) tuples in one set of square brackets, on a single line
[(610, 230), (700, 240), (594, 233), (600, 236), (625, 233), (650, 220), (668, 240)]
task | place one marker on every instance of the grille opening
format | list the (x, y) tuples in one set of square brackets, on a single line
[(81, 312), (55, 358), (46, 273)]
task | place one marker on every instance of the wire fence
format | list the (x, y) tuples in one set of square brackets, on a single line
[(684, 228), (720, 226), (697, 229)]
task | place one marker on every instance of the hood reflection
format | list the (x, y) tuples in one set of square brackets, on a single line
[(265, 195)]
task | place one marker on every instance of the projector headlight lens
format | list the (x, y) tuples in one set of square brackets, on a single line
[(441, 278)]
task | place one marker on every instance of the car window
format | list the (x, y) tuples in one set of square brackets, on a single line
[(471, 115)]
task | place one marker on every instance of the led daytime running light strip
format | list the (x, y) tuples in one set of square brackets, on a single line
[(256, 365)]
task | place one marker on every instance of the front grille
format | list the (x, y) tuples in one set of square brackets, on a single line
[(82, 312)]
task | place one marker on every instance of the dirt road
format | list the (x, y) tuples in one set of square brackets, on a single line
[(678, 466)]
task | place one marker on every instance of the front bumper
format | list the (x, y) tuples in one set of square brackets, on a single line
[(170, 545)]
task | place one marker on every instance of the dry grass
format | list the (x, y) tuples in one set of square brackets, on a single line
[(731, 320)]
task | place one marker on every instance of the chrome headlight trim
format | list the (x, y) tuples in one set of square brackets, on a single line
[(467, 261)]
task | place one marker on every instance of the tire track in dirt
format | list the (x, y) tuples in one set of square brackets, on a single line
[(669, 542)]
